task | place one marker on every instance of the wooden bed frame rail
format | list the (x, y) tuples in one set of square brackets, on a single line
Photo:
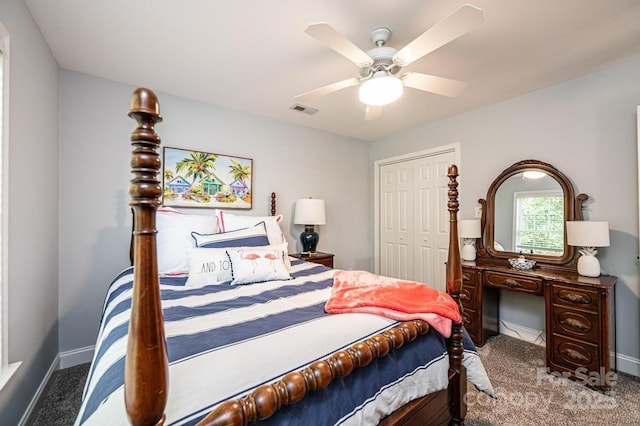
[(146, 365)]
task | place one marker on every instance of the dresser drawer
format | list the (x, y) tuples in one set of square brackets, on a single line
[(577, 324), (471, 323), (573, 355), (570, 296), (468, 296), (469, 277), (514, 282)]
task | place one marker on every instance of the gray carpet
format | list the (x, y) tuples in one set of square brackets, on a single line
[(525, 396), (60, 402), (529, 396)]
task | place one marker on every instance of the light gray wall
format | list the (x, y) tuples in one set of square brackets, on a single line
[(33, 209), (587, 129), (293, 161)]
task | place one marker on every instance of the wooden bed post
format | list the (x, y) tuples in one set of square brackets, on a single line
[(146, 365), (454, 287)]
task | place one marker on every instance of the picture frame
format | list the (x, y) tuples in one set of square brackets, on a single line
[(201, 179)]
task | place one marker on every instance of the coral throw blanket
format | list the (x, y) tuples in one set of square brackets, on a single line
[(364, 292)]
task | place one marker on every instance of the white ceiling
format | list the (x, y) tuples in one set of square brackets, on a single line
[(254, 56)]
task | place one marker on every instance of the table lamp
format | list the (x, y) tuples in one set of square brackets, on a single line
[(309, 212), (469, 230), (588, 235)]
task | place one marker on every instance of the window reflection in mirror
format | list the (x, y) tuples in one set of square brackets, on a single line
[(529, 215)]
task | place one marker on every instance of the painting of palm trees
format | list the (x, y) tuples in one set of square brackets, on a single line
[(202, 179)]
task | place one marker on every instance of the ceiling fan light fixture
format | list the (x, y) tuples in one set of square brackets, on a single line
[(533, 174), (381, 89)]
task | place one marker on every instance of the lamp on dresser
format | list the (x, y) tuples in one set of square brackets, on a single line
[(469, 230), (588, 235), (309, 212)]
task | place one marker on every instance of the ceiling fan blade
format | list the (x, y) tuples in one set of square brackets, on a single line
[(373, 112), (458, 23), (431, 83), (325, 90), (324, 33)]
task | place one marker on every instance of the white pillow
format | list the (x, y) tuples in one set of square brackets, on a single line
[(248, 237), (208, 266), (257, 264), (174, 237), (231, 222)]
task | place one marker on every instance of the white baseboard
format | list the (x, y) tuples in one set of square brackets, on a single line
[(624, 363), (628, 365), (53, 367), (523, 333), (76, 356), (63, 360)]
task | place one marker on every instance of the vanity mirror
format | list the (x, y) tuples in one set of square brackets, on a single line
[(526, 211)]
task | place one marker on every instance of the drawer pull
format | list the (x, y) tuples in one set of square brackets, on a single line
[(574, 298), (464, 296), (466, 277), (575, 324), (512, 283), (573, 354)]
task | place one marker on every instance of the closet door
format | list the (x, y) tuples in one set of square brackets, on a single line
[(423, 220), (431, 220), (414, 224), (396, 220)]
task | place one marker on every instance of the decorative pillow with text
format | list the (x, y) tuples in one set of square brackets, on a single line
[(208, 266)]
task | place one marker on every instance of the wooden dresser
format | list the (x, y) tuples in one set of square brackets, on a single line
[(580, 317)]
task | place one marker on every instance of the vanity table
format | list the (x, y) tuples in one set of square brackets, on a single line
[(579, 311)]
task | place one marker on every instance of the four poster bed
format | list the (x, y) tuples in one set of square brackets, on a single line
[(216, 352)]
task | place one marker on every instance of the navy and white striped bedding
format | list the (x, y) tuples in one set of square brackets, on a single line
[(223, 341)]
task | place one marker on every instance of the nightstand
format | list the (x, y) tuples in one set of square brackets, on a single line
[(319, 257)]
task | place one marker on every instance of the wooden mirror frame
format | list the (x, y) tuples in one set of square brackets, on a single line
[(572, 211)]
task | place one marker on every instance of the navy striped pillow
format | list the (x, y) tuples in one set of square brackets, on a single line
[(254, 236)]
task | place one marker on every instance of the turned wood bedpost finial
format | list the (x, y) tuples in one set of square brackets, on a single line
[(454, 267), (273, 204), (454, 287), (146, 365)]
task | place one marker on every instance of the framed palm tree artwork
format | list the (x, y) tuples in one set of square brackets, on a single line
[(202, 179)]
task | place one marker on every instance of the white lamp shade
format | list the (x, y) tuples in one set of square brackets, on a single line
[(309, 211), (583, 233), (469, 228), (381, 89)]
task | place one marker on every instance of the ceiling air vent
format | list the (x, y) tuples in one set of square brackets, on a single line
[(303, 109)]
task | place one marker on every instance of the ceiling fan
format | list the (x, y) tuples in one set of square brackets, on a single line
[(380, 80)]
